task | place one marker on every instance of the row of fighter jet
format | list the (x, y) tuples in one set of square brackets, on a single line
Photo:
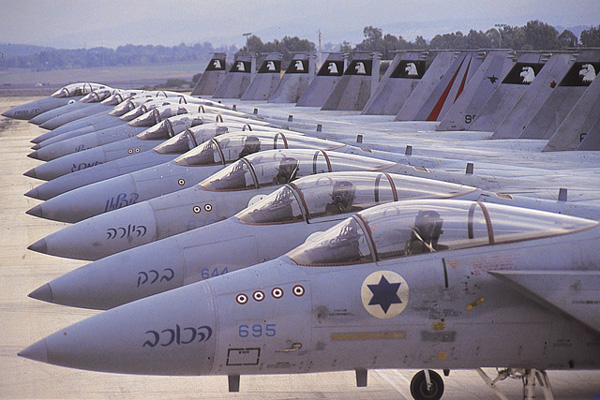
[(225, 244)]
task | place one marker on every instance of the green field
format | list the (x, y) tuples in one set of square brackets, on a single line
[(16, 80)]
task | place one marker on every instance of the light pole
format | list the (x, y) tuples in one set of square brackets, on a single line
[(500, 33), (246, 35)]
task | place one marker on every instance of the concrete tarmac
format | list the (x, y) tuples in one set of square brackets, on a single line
[(24, 321)]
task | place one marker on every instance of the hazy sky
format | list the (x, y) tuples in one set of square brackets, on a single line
[(110, 23)]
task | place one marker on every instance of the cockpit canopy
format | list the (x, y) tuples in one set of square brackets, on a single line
[(171, 127), (158, 114), (278, 167), (234, 146), (342, 193), (140, 109), (116, 98), (98, 95), (190, 138), (77, 89), (123, 108), (425, 226)]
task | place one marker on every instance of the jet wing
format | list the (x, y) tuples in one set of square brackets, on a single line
[(573, 292)]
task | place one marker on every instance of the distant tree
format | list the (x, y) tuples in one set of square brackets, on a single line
[(373, 40), (287, 46), (196, 77), (591, 37), (449, 41), (567, 39), (477, 40), (345, 47), (495, 37), (420, 43), (541, 36), (253, 44), (518, 40)]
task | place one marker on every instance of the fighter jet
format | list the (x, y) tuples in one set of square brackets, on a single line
[(163, 152), (87, 101), (113, 157), (265, 230), (141, 104), (129, 144), (94, 139), (183, 172), (99, 121), (183, 210), (173, 213), (103, 101), (63, 96), (433, 284)]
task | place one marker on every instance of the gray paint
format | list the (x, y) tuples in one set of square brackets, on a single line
[(435, 73), (324, 82), (212, 77), (514, 85), (397, 83), (481, 86)]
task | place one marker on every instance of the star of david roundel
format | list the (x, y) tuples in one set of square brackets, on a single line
[(384, 294)]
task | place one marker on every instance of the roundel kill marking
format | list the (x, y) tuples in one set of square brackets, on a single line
[(241, 298), (298, 290), (277, 292), (258, 295), (384, 294)]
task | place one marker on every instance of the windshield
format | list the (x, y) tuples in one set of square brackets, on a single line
[(232, 147), (279, 207), (96, 96), (158, 114), (113, 100), (122, 108), (190, 139), (237, 176), (427, 226), (134, 113), (207, 153), (148, 119), (171, 127), (345, 243)]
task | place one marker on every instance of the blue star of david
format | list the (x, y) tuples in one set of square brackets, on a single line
[(385, 294)]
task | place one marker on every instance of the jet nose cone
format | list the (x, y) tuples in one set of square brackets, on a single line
[(34, 194), (34, 155), (9, 113), (35, 211), (37, 352), (31, 173), (47, 125), (40, 246), (43, 293), (36, 120), (36, 146)]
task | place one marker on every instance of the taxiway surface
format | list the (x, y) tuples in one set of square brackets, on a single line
[(24, 321)]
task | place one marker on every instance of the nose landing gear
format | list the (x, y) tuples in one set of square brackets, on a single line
[(426, 385)]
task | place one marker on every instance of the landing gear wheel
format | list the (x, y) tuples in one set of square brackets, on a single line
[(420, 390)]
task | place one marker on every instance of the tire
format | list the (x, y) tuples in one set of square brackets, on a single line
[(418, 386)]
